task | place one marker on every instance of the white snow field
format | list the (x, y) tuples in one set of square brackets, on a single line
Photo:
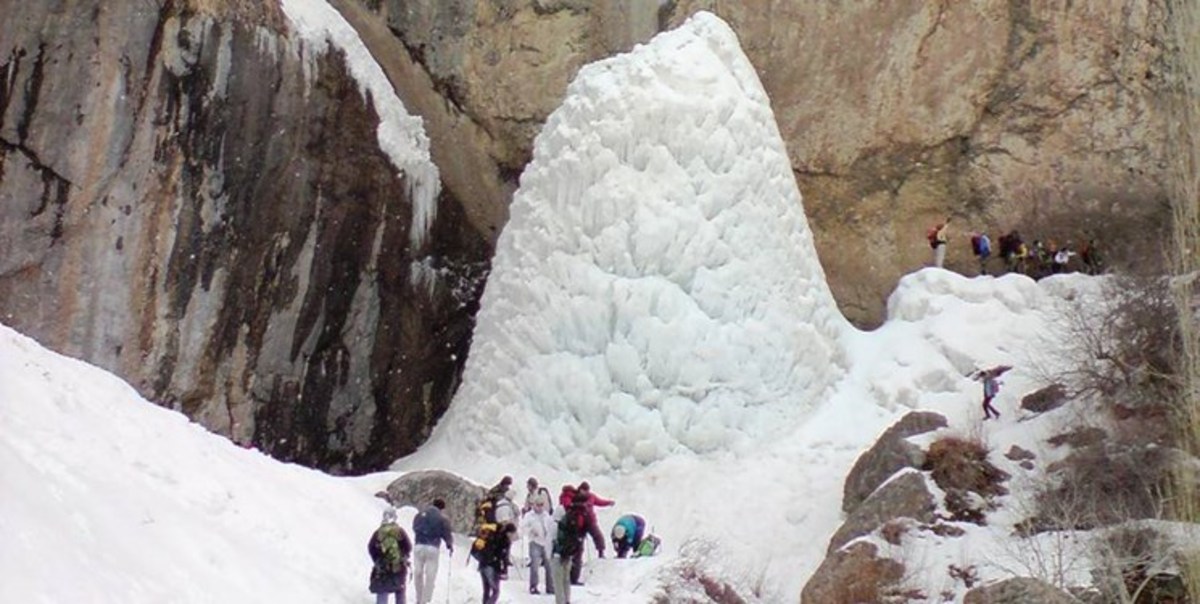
[(657, 322)]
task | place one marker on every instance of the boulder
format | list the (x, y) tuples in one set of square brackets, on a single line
[(1016, 453), (905, 496), (855, 574), (419, 489), (1019, 590), (1045, 399), (890, 453)]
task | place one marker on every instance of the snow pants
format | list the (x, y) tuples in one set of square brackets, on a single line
[(383, 597), (425, 567), (491, 584), (560, 568), (939, 255), (539, 558)]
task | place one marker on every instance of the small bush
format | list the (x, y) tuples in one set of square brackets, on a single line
[(960, 467)]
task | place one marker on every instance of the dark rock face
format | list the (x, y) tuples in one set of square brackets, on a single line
[(888, 455), (197, 202), (419, 489)]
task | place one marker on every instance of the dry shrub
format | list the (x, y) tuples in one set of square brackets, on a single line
[(1136, 565), (1127, 350), (700, 575), (960, 467), (1104, 485)]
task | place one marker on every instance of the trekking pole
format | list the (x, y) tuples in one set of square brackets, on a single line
[(449, 576)]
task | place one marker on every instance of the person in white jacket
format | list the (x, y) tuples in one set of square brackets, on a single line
[(538, 528)]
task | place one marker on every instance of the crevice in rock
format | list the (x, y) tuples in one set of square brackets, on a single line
[(33, 89)]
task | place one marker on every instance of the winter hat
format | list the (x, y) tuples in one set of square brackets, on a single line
[(568, 488), (619, 531), (584, 486), (532, 483), (389, 515)]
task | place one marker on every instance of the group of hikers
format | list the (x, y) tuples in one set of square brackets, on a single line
[(1037, 259), (556, 536)]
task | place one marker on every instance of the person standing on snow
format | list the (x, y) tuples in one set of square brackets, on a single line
[(991, 387), (567, 549), (938, 237), (493, 561), (389, 548), (535, 494), (594, 501), (430, 529), (538, 527)]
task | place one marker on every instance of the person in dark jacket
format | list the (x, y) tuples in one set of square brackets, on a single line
[(567, 550), (493, 561), (389, 548), (430, 530), (627, 534)]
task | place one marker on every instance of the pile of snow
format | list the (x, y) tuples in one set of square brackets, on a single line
[(401, 135), (656, 291)]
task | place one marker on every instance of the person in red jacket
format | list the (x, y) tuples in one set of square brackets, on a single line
[(594, 501)]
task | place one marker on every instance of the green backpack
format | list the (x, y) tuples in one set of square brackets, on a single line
[(391, 543)]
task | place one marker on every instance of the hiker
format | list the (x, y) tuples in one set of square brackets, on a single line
[(1090, 256), (567, 549), (430, 529), (991, 387), (535, 494), (981, 246), (1011, 250), (493, 561), (538, 527), (627, 534), (389, 548), (937, 237), (500, 489), (594, 501), (1061, 258)]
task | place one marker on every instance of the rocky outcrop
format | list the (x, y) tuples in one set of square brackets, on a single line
[(193, 198), (1002, 114), (1045, 399), (419, 489), (1019, 590), (854, 574), (905, 496), (890, 453)]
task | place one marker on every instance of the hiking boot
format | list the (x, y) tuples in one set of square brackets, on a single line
[(534, 590)]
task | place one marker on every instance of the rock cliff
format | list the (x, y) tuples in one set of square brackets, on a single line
[(1044, 116), (194, 198)]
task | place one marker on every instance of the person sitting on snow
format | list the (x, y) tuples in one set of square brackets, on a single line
[(627, 534)]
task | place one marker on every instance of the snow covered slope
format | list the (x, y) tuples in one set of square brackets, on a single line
[(656, 291)]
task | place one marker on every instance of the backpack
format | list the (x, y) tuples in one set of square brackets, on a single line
[(483, 535), (648, 546), (975, 249), (568, 537), (392, 554), (485, 513)]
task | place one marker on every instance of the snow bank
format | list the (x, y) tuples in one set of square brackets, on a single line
[(108, 498), (656, 290), (401, 135)]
